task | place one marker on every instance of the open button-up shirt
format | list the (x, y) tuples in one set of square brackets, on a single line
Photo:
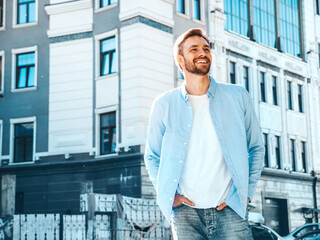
[(237, 129)]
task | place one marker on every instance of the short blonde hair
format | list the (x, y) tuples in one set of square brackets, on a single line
[(177, 47)]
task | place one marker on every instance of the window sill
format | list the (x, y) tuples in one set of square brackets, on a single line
[(15, 26), (102, 9), (27, 89), (106, 76), (199, 21), (2, 28), (107, 155), (183, 15), (21, 163)]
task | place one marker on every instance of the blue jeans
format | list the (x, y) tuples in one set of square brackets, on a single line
[(208, 224)]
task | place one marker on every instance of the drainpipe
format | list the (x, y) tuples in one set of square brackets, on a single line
[(314, 191)]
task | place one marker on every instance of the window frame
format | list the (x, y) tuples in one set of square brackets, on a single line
[(98, 39), (300, 96), (15, 53), (303, 151), (233, 64), (263, 93), (2, 56), (293, 154), (246, 81), (289, 96), (15, 23), (201, 11), (186, 14), (279, 164), (98, 113), (3, 27), (101, 9), (13, 122), (275, 90), (317, 7)]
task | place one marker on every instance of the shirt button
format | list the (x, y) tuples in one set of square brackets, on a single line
[(176, 180), (189, 107), (189, 125), (185, 143), (180, 161), (171, 199)]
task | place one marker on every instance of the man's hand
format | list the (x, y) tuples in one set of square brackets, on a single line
[(223, 205), (179, 199)]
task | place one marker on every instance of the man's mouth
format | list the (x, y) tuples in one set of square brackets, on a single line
[(202, 61)]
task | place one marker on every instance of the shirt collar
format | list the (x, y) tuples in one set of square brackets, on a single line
[(211, 90)]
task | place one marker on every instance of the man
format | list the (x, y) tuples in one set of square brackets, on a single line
[(204, 151)]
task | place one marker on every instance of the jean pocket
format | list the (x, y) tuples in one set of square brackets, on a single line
[(178, 206)]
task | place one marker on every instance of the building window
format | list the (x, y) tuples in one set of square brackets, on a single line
[(246, 78), (304, 157), (264, 22), (237, 16), (266, 156), (108, 133), (278, 153), (181, 6), (25, 70), (300, 97), (289, 93), (1, 13), (290, 27), (274, 90), (105, 3), (232, 72), (262, 87), (318, 7), (23, 142), (108, 56), (26, 11), (293, 155), (197, 9)]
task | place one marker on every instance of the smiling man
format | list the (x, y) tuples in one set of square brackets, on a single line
[(204, 151)]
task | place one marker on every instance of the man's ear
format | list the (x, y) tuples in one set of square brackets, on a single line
[(180, 59)]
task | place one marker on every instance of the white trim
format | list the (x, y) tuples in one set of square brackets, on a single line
[(98, 112), (97, 39), (14, 16), (1, 134), (66, 7), (2, 73), (107, 76), (102, 9), (4, 18), (14, 121), (16, 51), (187, 9)]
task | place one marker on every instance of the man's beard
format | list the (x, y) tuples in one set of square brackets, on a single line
[(192, 68)]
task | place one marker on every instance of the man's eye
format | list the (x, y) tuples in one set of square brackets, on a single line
[(193, 49), (207, 50)]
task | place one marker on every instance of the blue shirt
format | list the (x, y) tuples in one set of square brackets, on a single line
[(238, 131)]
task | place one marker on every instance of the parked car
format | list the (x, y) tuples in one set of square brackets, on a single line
[(313, 235), (260, 231), (302, 230)]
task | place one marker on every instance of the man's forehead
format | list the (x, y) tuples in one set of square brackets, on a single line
[(195, 40)]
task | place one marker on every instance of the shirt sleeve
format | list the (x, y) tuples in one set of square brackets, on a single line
[(255, 144), (155, 134)]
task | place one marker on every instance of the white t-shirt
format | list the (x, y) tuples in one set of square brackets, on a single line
[(205, 178)]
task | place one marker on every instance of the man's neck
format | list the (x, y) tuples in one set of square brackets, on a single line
[(197, 85)]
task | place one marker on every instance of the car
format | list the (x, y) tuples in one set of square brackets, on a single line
[(302, 230), (312, 235), (260, 231)]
